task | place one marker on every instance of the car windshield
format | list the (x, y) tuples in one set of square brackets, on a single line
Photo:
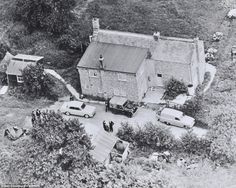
[(83, 106)]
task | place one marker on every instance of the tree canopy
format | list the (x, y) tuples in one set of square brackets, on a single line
[(36, 82), (51, 15)]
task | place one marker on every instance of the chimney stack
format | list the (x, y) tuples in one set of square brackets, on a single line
[(101, 58), (96, 27), (156, 36)]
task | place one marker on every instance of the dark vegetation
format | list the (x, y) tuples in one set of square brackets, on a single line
[(174, 88), (219, 147)]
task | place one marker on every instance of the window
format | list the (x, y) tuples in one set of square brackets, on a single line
[(73, 108), (177, 118), (20, 79), (122, 77), (159, 75), (93, 73), (83, 106)]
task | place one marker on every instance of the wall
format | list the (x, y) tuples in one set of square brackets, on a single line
[(179, 71), (106, 84), (142, 82)]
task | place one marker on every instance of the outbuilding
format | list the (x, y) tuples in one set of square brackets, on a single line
[(17, 64)]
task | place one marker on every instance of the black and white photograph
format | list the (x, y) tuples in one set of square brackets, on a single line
[(118, 93)]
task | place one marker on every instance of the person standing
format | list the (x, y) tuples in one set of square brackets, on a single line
[(111, 123), (33, 118), (107, 105), (38, 113), (105, 127)]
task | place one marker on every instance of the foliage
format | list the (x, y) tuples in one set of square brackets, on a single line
[(143, 17), (126, 132), (37, 83), (52, 16), (192, 144), (222, 136), (175, 88), (56, 148), (155, 137), (76, 37), (193, 106)]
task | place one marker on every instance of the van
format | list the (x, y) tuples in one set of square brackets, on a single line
[(175, 117)]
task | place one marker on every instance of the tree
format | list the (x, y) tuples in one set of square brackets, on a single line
[(56, 149), (51, 15), (222, 136), (36, 82), (126, 132)]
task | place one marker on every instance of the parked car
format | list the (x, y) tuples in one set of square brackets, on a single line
[(121, 105), (175, 117), (78, 108), (14, 133)]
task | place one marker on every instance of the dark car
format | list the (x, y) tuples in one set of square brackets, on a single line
[(121, 105)]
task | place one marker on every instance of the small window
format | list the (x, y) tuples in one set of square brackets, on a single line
[(122, 77), (177, 119), (159, 75), (20, 79)]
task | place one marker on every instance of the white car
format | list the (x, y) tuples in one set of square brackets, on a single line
[(175, 117), (78, 108)]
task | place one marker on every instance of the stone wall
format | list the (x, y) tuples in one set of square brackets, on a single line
[(106, 84)]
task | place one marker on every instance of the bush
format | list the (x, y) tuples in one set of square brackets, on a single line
[(175, 88), (191, 144), (51, 16), (155, 137), (37, 83), (59, 58), (126, 132), (193, 106)]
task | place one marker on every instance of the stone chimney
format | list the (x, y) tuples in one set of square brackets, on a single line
[(156, 36), (96, 27), (101, 58)]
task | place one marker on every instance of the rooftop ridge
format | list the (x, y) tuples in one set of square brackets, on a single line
[(146, 36)]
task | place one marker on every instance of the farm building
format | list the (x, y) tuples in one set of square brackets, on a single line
[(128, 64), (17, 64)]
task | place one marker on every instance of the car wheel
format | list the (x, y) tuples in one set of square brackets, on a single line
[(67, 113), (165, 122), (86, 116), (168, 123), (158, 119)]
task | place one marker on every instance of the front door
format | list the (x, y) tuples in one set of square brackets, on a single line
[(159, 80)]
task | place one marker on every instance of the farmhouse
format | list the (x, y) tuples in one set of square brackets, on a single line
[(17, 64), (128, 64)]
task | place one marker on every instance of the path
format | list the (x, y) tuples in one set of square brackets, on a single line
[(210, 68), (68, 86)]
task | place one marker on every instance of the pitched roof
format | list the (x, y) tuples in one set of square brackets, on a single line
[(104, 143), (28, 57), (16, 67), (120, 58), (125, 51)]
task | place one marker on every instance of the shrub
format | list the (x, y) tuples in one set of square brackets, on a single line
[(175, 88), (191, 144), (59, 58), (222, 136), (193, 106), (37, 83), (51, 16), (156, 137), (126, 132)]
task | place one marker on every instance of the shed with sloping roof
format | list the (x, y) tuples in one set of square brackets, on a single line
[(105, 148), (17, 64)]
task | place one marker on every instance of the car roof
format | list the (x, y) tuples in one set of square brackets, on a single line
[(118, 100), (74, 103), (173, 112)]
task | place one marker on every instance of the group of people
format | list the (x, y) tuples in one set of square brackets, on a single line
[(108, 127), (36, 114)]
